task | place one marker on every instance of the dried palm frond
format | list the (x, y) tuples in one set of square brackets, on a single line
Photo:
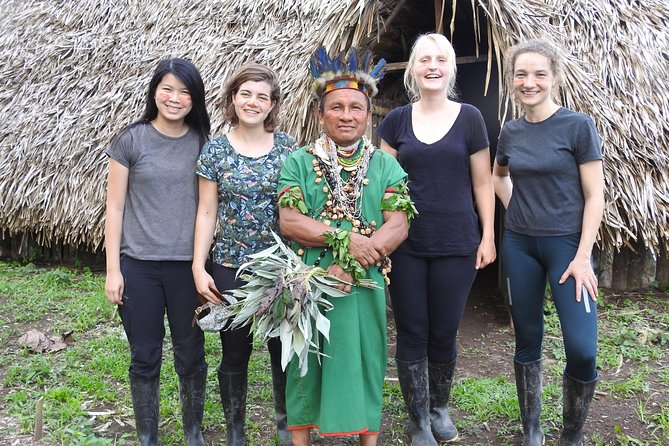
[(283, 297)]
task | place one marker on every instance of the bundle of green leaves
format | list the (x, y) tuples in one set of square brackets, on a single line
[(284, 297)]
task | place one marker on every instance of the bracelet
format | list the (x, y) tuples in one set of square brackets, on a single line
[(291, 197), (339, 241), (400, 201)]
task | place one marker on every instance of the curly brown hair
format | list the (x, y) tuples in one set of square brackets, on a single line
[(547, 49)]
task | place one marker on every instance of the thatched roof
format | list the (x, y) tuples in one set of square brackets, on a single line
[(618, 73), (74, 72)]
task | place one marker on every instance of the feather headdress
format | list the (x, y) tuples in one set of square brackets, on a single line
[(332, 73)]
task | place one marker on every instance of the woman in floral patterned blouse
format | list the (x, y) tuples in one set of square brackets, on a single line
[(238, 178)]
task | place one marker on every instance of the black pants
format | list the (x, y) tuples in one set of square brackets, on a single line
[(151, 289), (429, 296), (237, 344)]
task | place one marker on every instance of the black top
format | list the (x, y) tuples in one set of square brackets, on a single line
[(439, 182), (543, 160)]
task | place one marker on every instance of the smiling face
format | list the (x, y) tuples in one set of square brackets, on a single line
[(173, 99), (431, 69), (345, 115), (253, 102), (533, 80)]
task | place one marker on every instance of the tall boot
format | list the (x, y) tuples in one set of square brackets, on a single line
[(233, 387), (576, 398), (279, 392), (191, 394), (145, 403), (441, 379), (528, 385), (414, 384)]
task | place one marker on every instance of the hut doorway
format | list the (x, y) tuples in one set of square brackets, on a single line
[(477, 76)]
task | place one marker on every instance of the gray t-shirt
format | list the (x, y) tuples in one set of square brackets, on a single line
[(543, 159), (161, 201)]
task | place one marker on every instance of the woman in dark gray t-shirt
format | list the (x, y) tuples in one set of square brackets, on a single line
[(548, 174), (151, 206)]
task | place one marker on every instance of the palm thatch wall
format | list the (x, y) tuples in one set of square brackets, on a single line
[(617, 72), (74, 72)]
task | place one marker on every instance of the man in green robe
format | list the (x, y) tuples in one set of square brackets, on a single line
[(345, 207)]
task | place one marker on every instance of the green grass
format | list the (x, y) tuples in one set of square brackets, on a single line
[(89, 378)]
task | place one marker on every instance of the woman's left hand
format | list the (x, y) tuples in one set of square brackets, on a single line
[(486, 253), (581, 269)]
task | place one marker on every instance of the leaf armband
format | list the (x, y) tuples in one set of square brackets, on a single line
[(339, 241), (400, 201), (291, 197)]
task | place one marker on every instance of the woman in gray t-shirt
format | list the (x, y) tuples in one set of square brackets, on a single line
[(151, 205), (548, 174)]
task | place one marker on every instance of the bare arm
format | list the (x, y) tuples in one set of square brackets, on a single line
[(309, 232), (502, 183), (205, 224), (485, 204), (386, 148), (592, 183), (392, 233), (117, 187)]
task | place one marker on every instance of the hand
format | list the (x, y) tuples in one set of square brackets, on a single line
[(362, 248), (581, 269), (485, 254), (206, 286), (339, 273), (114, 285)]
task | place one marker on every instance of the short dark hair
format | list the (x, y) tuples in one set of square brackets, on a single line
[(257, 73), (185, 71)]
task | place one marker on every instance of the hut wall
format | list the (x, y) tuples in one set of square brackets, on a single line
[(25, 248), (633, 267)]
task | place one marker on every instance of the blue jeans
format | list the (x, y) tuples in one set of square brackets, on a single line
[(529, 263)]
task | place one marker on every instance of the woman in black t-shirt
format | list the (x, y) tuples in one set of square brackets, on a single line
[(443, 147)]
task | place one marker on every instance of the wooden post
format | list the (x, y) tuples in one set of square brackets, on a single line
[(439, 16), (662, 269)]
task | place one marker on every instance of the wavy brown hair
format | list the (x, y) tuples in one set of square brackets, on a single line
[(257, 73)]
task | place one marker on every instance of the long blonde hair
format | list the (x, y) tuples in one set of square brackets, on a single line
[(446, 48)]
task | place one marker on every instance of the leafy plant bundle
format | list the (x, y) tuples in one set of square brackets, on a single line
[(283, 297)]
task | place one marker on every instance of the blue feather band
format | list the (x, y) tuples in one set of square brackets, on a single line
[(332, 73)]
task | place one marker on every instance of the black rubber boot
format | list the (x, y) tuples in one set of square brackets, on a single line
[(576, 398), (528, 385), (191, 393), (145, 403), (414, 384), (233, 387), (279, 392), (441, 379)]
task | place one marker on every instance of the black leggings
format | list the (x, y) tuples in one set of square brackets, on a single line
[(530, 262), (429, 296), (151, 289), (237, 344)]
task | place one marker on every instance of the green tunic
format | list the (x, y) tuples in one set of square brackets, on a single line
[(343, 394)]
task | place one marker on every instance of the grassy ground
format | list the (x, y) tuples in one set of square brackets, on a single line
[(84, 397)]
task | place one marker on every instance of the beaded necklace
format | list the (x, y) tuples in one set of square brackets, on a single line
[(344, 197), (349, 158)]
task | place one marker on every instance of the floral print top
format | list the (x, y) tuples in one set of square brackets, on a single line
[(247, 203)]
